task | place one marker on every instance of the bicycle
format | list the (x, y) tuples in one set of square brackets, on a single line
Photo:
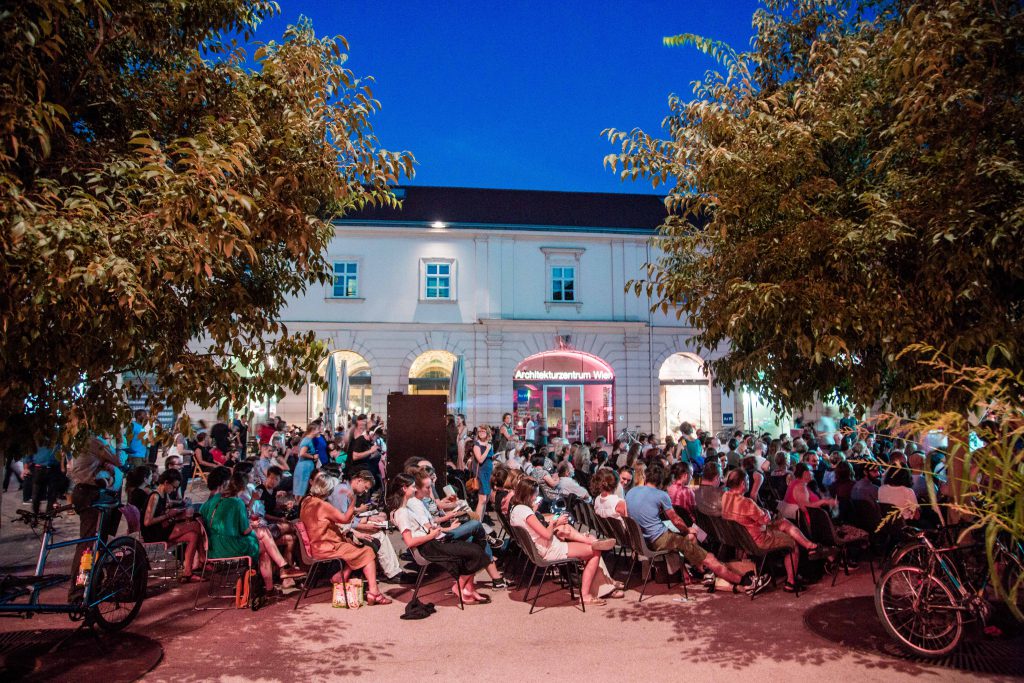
[(924, 601), (114, 587)]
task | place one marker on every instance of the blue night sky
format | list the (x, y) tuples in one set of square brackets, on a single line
[(515, 95)]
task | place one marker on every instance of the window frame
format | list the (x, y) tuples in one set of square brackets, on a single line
[(331, 287), (452, 265)]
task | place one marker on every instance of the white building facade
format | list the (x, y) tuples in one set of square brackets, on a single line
[(529, 290)]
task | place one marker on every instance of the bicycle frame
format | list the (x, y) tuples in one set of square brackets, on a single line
[(937, 560), (33, 605)]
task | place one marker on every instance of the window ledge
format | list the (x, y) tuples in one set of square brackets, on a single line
[(548, 305), (345, 298), (438, 301)]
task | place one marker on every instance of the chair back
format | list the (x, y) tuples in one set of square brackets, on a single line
[(821, 528), (618, 531), (522, 538), (305, 546), (741, 537), (705, 523), (725, 533), (637, 542), (866, 515)]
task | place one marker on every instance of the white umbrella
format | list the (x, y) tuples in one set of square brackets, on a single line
[(344, 391), (331, 396), (457, 387)]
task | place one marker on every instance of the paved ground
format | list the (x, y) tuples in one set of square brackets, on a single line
[(711, 637)]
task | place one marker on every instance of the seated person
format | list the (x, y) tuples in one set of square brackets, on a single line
[(866, 488), (201, 456), (460, 559), (343, 498), (136, 486), (329, 540), (470, 530), (709, 494), (566, 484), (607, 503), (265, 505), (164, 521), (269, 457), (683, 499), (898, 492), (766, 534), (230, 532), (648, 503), (559, 541)]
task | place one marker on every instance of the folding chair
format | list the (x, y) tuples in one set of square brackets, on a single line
[(745, 543), (823, 531), (222, 570), (522, 537), (164, 562), (314, 564), (642, 552), (423, 564)]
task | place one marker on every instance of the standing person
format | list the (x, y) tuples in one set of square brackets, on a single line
[(320, 445), (505, 430), (307, 461), (91, 474), (483, 463), (364, 451), (531, 430), (692, 445), (136, 450), (241, 428), (220, 433), (46, 477)]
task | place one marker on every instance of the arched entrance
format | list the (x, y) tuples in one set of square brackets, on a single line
[(431, 372), (360, 387), (685, 393), (573, 391)]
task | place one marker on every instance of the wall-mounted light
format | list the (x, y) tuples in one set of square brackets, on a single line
[(438, 225)]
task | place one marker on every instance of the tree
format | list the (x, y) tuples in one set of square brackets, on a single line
[(849, 186), (160, 200)]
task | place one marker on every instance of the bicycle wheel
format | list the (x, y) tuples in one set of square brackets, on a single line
[(1010, 567), (908, 555), (118, 584), (919, 611)]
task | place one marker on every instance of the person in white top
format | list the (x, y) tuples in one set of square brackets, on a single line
[(559, 541), (897, 491), (462, 560), (607, 503)]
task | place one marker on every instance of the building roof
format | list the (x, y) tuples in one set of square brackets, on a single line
[(524, 209)]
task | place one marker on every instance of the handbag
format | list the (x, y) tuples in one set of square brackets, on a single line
[(473, 485)]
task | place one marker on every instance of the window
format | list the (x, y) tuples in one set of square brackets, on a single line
[(438, 280), (346, 280), (563, 283), (562, 265)]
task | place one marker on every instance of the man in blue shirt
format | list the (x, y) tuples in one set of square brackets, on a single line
[(45, 477), (647, 505), (136, 450)]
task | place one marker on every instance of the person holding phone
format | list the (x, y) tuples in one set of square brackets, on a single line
[(164, 521)]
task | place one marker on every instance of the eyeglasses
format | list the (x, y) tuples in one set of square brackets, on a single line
[(428, 468)]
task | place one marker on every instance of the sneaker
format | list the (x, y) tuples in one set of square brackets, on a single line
[(851, 564), (759, 584), (603, 544)]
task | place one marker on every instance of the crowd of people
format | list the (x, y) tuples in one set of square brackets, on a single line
[(268, 492)]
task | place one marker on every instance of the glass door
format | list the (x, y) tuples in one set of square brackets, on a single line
[(564, 412)]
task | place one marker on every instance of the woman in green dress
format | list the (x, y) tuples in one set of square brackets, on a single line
[(231, 533)]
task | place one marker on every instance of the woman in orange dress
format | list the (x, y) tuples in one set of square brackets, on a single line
[(324, 526)]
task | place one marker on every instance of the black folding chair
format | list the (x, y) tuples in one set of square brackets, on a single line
[(642, 552), (567, 568)]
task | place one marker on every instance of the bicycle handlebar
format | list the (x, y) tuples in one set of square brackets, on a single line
[(32, 517)]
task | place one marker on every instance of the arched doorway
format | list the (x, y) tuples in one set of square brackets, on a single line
[(360, 387), (685, 393), (431, 373), (572, 391)]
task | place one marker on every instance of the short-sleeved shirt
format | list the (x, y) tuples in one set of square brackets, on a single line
[(604, 506), (413, 517), (709, 500), (682, 496), (44, 457), (645, 505), (135, 448)]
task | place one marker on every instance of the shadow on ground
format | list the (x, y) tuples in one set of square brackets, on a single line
[(76, 655)]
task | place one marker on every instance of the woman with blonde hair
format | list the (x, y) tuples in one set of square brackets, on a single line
[(483, 465), (327, 540)]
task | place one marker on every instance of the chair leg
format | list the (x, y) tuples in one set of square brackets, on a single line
[(683, 573), (529, 585), (543, 577), (419, 581), (202, 575), (647, 576), (576, 568), (564, 569), (629, 576), (310, 576)]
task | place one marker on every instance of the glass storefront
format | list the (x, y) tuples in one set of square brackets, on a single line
[(572, 391), (685, 394)]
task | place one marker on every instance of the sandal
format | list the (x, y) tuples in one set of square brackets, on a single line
[(473, 600), (793, 587), (617, 593), (596, 602), (377, 599), (189, 578)]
